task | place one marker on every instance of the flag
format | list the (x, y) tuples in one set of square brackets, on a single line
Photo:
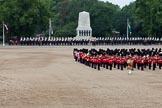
[(51, 31), (5, 26), (50, 27), (129, 27)]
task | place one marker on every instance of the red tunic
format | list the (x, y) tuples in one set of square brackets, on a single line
[(154, 61), (110, 61), (160, 61)]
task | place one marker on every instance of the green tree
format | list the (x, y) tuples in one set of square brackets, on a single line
[(65, 16), (25, 17), (150, 13)]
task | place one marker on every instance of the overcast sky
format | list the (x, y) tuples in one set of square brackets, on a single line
[(121, 3)]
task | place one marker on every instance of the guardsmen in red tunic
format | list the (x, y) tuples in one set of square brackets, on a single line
[(109, 58), (75, 52), (96, 62), (138, 62), (160, 59), (106, 62), (125, 61), (154, 63), (135, 61), (122, 62), (110, 62), (149, 62), (103, 60), (118, 62), (115, 61), (81, 57), (87, 59), (160, 63), (142, 63), (145, 62)]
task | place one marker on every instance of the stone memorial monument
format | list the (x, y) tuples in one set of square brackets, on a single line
[(84, 30)]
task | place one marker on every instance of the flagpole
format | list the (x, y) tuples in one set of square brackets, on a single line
[(3, 35), (49, 27), (127, 28)]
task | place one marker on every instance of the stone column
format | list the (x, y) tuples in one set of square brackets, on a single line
[(78, 33), (90, 32), (84, 30)]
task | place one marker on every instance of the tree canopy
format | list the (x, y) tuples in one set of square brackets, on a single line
[(150, 13), (30, 17), (25, 17)]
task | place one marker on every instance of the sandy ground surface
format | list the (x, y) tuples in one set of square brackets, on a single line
[(48, 77)]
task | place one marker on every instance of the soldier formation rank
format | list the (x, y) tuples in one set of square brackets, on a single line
[(120, 58), (68, 41)]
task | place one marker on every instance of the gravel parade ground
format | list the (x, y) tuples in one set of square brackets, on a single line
[(48, 77)]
